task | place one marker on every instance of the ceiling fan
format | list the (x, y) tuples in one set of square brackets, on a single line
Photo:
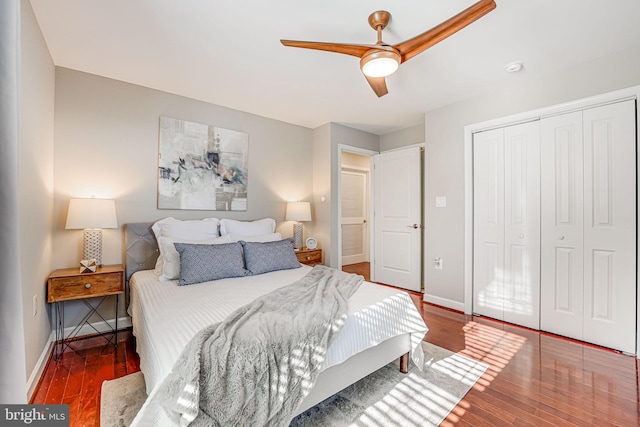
[(380, 60)]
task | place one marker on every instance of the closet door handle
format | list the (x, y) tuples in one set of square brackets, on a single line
[(560, 237), (521, 235)]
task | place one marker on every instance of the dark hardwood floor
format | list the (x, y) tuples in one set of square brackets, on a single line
[(361, 268), (76, 378), (534, 379)]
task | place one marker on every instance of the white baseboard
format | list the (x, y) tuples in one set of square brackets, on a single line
[(123, 322), (444, 302), (32, 382)]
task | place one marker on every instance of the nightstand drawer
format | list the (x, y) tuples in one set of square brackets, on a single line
[(84, 286), (310, 256)]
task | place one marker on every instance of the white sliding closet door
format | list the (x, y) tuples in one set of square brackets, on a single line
[(522, 224), (588, 265), (610, 226), (488, 223), (507, 224), (562, 277)]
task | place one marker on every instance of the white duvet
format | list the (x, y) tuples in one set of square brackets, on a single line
[(166, 316)]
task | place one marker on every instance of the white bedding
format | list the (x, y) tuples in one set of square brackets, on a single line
[(166, 316)]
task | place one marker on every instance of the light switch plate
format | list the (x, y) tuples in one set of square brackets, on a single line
[(441, 202)]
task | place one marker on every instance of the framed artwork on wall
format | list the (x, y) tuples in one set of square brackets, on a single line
[(201, 167)]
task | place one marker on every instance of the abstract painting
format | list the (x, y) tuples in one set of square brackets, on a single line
[(201, 167)]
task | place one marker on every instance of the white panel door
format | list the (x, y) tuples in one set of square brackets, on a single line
[(610, 226), (562, 277), (398, 222), (488, 223), (522, 224), (506, 264), (354, 209)]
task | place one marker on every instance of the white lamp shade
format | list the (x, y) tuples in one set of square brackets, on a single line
[(91, 213), (298, 211)]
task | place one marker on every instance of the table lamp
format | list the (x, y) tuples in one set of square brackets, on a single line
[(298, 211), (91, 215)]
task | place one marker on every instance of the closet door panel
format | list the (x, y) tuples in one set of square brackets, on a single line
[(522, 224), (561, 263), (610, 226), (488, 218)]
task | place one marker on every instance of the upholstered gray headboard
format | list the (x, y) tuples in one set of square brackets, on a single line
[(142, 248)]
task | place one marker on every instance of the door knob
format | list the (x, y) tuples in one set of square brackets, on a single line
[(560, 237), (414, 226), (521, 235)]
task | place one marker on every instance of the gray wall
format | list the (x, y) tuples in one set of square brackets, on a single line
[(444, 156), (321, 210), (106, 134), (35, 180), (403, 137), (107, 145)]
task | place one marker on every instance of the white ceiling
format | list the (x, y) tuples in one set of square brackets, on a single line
[(228, 52)]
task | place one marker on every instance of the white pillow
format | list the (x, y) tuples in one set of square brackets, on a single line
[(248, 228), (157, 226), (159, 265), (263, 238), (199, 229), (171, 257)]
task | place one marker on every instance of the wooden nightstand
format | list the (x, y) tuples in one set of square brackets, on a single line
[(309, 256), (69, 284)]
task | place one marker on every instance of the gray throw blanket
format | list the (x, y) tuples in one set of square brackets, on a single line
[(255, 367)]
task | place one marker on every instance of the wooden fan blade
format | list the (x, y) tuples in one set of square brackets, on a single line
[(378, 84), (412, 47), (347, 49)]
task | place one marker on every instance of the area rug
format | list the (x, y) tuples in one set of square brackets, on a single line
[(386, 398)]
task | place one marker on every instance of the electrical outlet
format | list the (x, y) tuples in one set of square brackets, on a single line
[(34, 306), (437, 263)]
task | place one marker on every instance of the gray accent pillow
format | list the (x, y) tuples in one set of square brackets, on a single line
[(202, 263), (270, 256)]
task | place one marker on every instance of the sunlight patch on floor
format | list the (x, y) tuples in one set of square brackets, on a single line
[(417, 401), (492, 346)]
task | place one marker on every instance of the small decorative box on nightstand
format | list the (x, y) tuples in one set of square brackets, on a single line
[(69, 284), (309, 256)]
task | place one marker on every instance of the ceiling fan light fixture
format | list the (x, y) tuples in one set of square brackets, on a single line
[(379, 63), (380, 60)]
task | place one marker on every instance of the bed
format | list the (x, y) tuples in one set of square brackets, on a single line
[(382, 323)]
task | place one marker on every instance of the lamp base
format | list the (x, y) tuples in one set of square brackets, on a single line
[(297, 236), (92, 245)]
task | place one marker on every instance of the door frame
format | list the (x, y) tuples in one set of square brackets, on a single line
[(367, 175), (371, 153), (632, 93), (363, 152)]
